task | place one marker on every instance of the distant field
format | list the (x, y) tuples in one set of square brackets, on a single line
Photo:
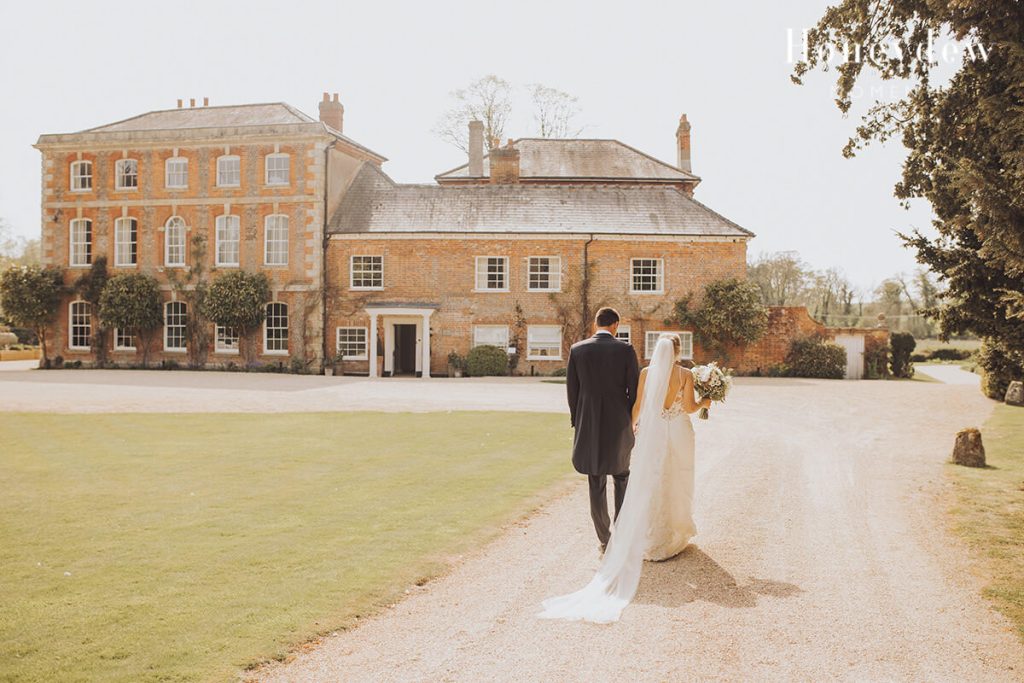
[(932, 344)]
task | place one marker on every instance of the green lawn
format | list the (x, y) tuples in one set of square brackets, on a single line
[(990, 510), (184, 547)]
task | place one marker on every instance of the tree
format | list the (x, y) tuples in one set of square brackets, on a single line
[(30, 296), (132, 304), (238, 300), (489, 100), (963, 139), (16, 251), (890, 294), (554, 111), (731, 314), (781, 277), (89, 287)]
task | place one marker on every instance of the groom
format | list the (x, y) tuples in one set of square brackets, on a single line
[(601, 383)]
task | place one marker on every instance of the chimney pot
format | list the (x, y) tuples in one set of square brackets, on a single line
[(476, 149), (683, 144), (179, 103), (206, 101), (192, 102), (332, 112)]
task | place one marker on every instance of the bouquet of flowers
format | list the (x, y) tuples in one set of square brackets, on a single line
[(711, 381)]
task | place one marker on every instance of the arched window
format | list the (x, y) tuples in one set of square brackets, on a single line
[(79, 325), (229, 171), (126, 174), (126, 240), (275, 329), (80, 241), (175, 319), (275, 240), (176, 173), (228, 235), (277, 169), (174, 242), (81, 176)]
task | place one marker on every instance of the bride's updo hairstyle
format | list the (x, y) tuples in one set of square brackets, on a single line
[(677, 343)]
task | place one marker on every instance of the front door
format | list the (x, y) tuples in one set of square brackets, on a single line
[(405, 350)]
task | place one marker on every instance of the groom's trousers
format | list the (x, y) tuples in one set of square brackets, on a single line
[(599, 502)]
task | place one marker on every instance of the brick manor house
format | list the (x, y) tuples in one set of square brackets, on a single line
[(382, 277)]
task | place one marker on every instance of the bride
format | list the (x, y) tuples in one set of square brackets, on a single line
[(655, 521)]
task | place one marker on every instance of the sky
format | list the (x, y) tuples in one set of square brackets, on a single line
[(769, 152)]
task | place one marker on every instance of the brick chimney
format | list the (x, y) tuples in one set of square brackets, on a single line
[(332, 112), (476, 149), (683, 144), (504, 165)]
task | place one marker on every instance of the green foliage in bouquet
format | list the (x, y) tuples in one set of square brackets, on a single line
[(815, 357), (487, 361)]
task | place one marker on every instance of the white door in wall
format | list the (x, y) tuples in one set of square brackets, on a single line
[(854, 345)]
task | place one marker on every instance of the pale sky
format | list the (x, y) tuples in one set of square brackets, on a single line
[(768, 151)]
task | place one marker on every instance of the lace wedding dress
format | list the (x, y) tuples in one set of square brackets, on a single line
[(655, 520)]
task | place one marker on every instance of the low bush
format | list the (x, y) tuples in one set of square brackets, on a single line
[(487, 361), (815, 357), (918, 357), (559, 372), (949, 353)]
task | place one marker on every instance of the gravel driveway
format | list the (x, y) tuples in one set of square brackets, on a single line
[(822, 554), (822, 551)]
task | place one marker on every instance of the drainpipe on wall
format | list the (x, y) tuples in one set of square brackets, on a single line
[(323, 258)]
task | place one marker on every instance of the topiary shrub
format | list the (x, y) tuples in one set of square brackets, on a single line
[(1001, 366), (815, 357), (487, 361), (901, 344)]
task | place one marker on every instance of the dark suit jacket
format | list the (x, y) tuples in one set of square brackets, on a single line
[(601, 384)]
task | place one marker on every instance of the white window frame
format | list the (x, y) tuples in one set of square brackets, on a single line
[(120, 336), (554, 273), (482, 268), (366, 341), (169, 173), (659, 276), (490, 328), (222, 174), (624, 333), (277, 245), (287, 169), (266, 330), (651, 340), (372, 272), (85, 244), (173, 225), (532, 330), (121, 174), (223, 222), (183, 326), (121, 259), (76, 176), (72, 324), (221, 335)]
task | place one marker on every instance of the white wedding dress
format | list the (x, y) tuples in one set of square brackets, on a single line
[(656, 520)]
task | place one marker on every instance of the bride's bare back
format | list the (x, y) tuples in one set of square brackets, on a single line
[(680, 381)]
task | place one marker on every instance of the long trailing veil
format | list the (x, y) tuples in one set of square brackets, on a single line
[(615, 584)]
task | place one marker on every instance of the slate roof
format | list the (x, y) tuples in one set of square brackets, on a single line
[(581, 159), (171, 121), (374, 203), (272, 114)]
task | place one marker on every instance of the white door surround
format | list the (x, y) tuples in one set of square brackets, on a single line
[(400, 315)]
